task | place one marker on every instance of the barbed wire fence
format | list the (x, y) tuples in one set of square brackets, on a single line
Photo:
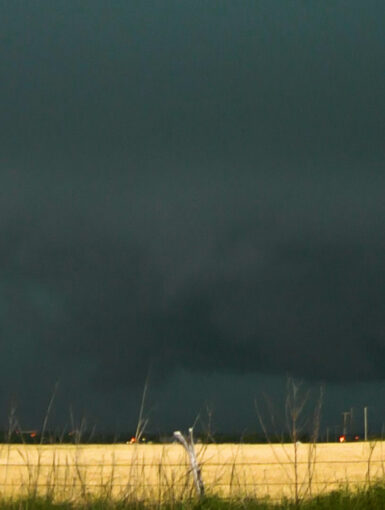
[(147, 479)]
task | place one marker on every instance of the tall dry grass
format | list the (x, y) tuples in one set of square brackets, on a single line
[(161, 473)]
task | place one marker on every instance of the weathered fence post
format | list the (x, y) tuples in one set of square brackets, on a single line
[(188, 445)]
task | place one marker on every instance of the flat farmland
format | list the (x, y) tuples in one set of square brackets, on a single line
[(161, 472)]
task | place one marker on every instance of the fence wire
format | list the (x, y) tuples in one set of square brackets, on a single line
[(127, 471)]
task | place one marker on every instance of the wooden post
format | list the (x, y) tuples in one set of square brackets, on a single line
[(188, 445)]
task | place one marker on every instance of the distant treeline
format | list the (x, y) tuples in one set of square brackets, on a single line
[(91, 437)]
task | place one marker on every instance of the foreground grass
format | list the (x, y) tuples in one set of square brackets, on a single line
[(371, 499)]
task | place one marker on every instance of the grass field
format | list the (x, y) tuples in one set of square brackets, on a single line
[(160, 473)]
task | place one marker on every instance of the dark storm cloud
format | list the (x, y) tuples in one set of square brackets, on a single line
[(221, 280), (191, 80), (193, 185)]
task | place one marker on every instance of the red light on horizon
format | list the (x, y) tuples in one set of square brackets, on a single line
[(342, 439)]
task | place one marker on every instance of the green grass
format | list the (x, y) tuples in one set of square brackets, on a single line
[(370, 499)]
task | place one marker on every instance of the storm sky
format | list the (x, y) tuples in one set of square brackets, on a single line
[(193, 190)]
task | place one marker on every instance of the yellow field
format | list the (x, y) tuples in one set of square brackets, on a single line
[(158, 472)]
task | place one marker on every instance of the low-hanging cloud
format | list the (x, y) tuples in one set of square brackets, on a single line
[(270, 279)]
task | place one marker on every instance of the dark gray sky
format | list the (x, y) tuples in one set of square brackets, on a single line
[(191, 186)]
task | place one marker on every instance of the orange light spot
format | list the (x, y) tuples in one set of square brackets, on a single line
[(342, 439)]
